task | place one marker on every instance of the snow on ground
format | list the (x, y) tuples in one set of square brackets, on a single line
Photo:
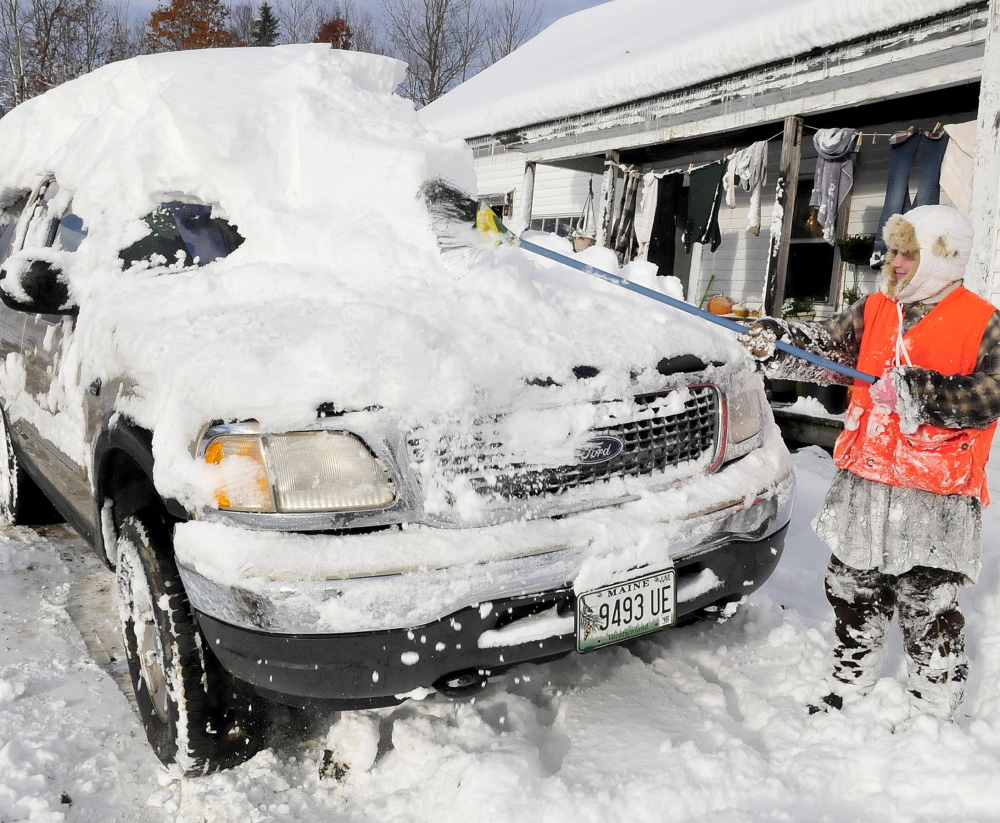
[(703, 723)]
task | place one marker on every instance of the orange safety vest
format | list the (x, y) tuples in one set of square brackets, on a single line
[(935, 459)]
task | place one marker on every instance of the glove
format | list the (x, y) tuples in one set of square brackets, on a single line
[(883, 393), (760, 341)]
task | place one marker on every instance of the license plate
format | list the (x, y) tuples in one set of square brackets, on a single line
[(625, 610)]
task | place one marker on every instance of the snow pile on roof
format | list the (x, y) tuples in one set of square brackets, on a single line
[(629, 49), (339, 294), (263, 134)]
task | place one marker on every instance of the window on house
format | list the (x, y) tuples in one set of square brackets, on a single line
[(500, 203), (562, 225), (810, 257)]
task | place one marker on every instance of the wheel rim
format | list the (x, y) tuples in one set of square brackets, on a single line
[(151, 664), (148, 644)]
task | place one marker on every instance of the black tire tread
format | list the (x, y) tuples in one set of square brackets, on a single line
[(222, 718)]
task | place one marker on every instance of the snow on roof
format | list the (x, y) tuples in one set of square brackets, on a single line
[(626, 50)]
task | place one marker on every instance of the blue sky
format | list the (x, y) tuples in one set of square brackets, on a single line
[(554, 9)]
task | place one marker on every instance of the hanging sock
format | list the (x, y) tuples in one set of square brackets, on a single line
[(751, 168), (834, 175)]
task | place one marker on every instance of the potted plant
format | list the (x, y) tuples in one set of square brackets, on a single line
[(852, 295), (856, 249), (798, 308)]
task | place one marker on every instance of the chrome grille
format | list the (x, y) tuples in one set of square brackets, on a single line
[(652, 440)]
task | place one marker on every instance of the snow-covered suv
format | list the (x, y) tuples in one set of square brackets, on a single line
[(331, 457)]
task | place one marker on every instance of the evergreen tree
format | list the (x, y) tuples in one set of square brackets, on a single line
[(265, 27)]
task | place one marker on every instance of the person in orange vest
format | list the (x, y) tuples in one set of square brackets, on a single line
[(903, 515)]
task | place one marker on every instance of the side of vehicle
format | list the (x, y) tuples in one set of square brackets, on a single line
[(67, 447)]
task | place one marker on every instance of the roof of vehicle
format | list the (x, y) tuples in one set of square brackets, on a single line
[(260, 133)]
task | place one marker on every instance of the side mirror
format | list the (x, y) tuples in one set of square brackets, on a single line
[(35, 286)]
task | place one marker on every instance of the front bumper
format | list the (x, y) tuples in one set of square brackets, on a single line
[(380, 668), (370, 617)]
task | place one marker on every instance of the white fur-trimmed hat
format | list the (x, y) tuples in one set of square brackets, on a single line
[(941, 236)]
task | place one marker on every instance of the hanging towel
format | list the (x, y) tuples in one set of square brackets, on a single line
[(751, 168), (647, 213), (704, 199), (663, 238), (956, 168), (834, 175)]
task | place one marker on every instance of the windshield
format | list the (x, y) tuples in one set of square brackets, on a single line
[(182, 234)]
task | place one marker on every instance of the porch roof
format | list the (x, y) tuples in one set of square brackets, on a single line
[(628, 58)]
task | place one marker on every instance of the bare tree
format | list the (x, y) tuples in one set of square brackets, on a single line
[(68, 38), (46, 42), (511, 24), (441, 41), (126, 35), (300, 19), (241, 17), (13, 42), (366, 33)]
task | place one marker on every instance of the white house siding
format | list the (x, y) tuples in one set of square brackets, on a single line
[(561, 191), (558, 192), (499, 173)]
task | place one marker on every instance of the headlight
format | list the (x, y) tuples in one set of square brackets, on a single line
[(297, 472), (746, 415)]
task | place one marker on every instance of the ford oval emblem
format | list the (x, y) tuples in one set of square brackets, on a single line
[(600, 450)]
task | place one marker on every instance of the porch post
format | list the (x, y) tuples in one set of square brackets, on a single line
[(527, 200), (606, 210), (781, 220), (983, 273)]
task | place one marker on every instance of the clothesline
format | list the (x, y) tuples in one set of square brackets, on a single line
[(629, 168)]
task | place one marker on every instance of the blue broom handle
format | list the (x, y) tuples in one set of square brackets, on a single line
[(689, 309)]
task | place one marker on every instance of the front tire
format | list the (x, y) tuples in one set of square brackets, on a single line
[(195, 715)]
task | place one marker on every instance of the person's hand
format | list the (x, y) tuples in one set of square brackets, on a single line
[(883, 393), (760, 341)]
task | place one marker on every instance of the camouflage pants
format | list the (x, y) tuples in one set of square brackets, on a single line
[(933, 631)]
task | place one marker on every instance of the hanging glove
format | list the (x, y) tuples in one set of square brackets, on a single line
[(883, 393), (760, 341)]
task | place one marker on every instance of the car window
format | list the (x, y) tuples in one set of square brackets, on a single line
[(185, 234), (5, 237), (69, 233)]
